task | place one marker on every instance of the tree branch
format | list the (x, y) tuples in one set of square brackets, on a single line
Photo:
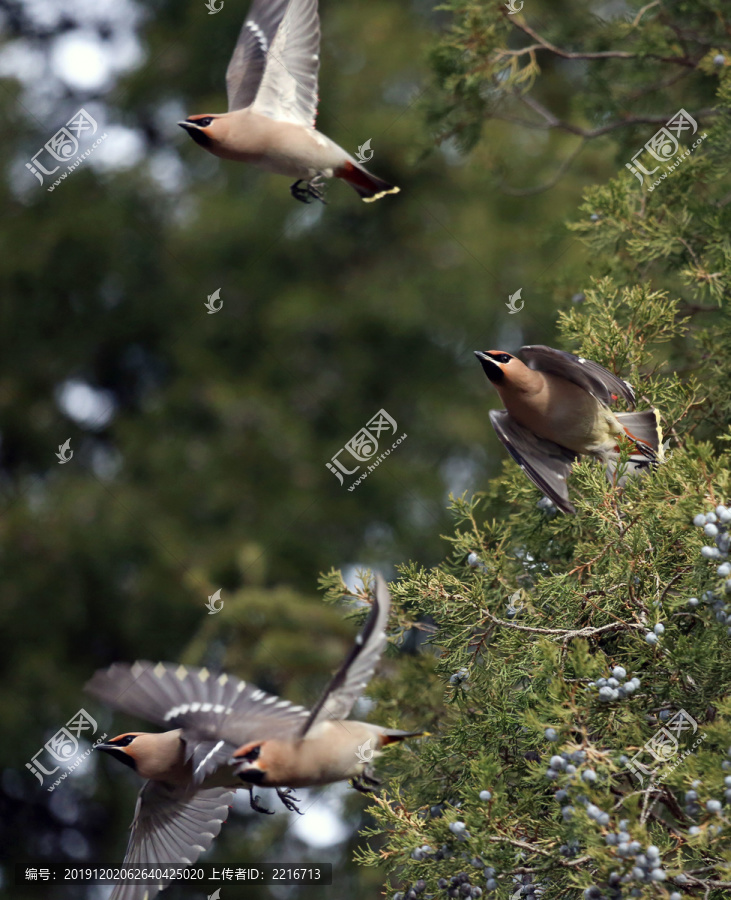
[(564, 633), (543, 44)]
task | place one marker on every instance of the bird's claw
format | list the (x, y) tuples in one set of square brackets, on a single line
[(364, 784), (369, 777), (285, 795), (313, 190), (255, 803)]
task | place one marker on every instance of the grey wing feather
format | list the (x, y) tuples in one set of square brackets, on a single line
[(288, 91), (171, 827), (595, 379), (546, 464), (246, 69), (349, 681), (217, 713)]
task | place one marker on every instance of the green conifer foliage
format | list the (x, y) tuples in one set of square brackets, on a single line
[(575, 672)]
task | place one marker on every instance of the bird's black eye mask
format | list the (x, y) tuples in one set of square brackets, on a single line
[(503, 358), (115, 748), (252, 775), (193, 128), (251, 755), (124, 741)]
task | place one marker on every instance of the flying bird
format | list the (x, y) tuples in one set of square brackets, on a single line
[(557, 408), (223, 734), (271, 84)]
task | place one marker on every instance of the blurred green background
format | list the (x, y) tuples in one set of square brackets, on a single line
[(201, 441)]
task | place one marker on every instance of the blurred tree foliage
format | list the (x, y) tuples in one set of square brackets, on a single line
[(209, 468)]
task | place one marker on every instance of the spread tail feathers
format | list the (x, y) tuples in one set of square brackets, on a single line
[(368, 186), (644, 429)]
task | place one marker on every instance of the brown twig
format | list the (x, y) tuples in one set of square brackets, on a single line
[(543, 44), (564, 633)]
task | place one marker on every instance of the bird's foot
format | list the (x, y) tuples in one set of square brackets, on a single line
[(285, 795), (364, 784), (369, 777), (312, 190), (255, 803)]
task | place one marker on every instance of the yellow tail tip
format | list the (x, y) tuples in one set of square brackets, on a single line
[(393, 190)]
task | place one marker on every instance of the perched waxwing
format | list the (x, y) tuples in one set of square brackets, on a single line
[(271, 84), (225, 734), (557, 408)]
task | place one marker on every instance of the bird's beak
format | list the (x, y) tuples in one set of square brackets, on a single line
[(117, 753), (198, 134), (493, 371), (109, 748)]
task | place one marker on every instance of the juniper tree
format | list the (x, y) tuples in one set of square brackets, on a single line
[(574, 671)]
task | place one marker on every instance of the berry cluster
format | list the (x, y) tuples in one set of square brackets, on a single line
[(693, 806), (461, 885), (524, 886), (643, 866), (423, 852), (411, 893), (714, 525), (612, 688), (565, 763), (426, 852), (653, 636)]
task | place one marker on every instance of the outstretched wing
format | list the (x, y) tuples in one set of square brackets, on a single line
[(357, 670), (590, 376), (288, 91), (546, 464), (217, 713), (246, 69), (171, 827)]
